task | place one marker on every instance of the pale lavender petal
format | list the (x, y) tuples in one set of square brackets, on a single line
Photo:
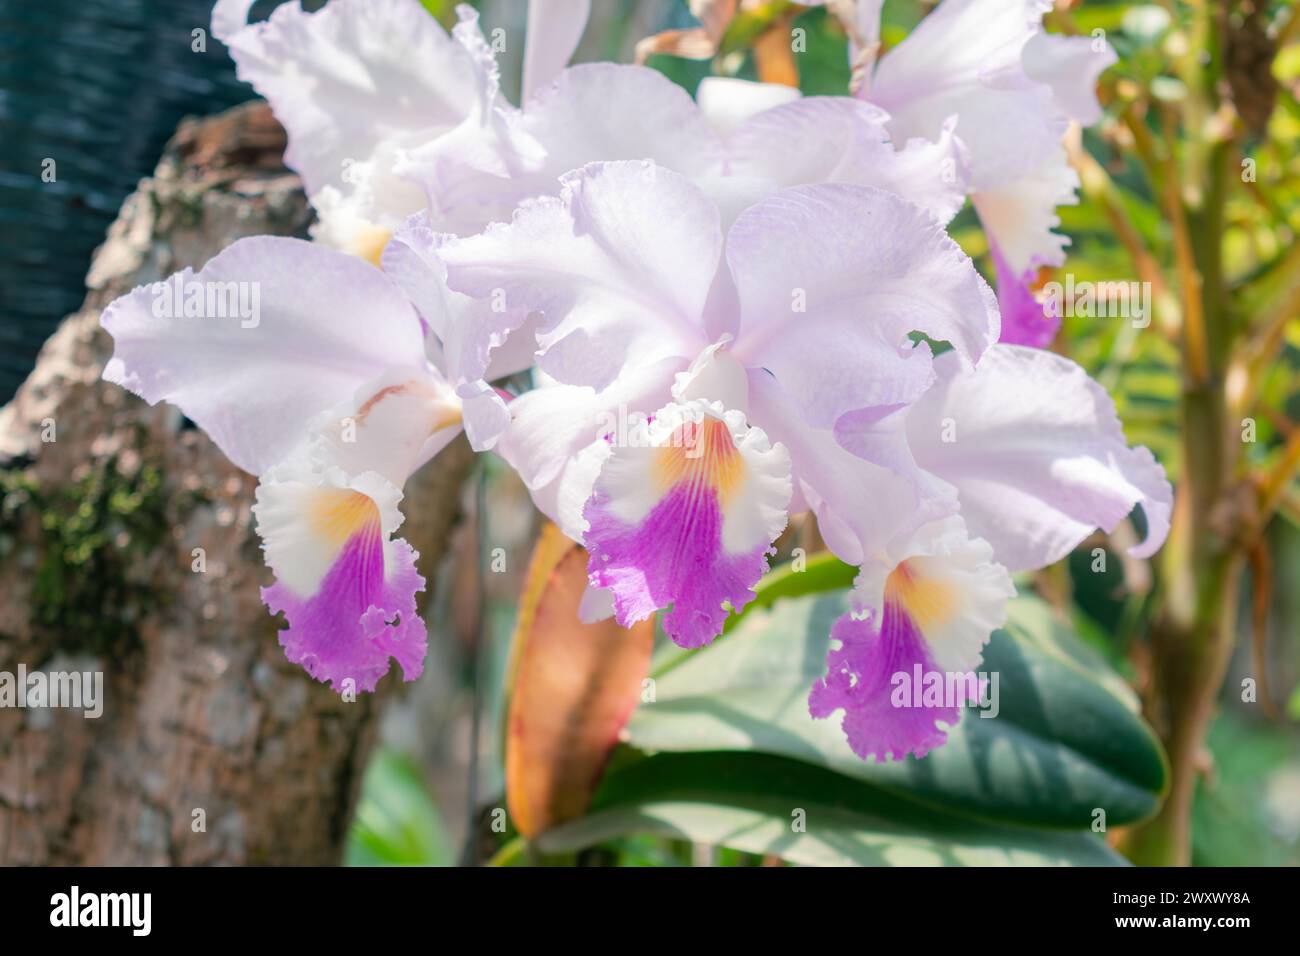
[(1037, 454), (598, 112), (830, 478), (826, 139), (352, 75), (553, 31), (833, 278), (620, 265), (280, 331), (471, 333), (965, 59)]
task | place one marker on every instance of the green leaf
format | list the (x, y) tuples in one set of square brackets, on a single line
[(818, 574), (804, 814), (396, 823), (1067, 739)]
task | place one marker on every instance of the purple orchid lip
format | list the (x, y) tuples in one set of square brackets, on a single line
[(693, 547), (363, 614), (1025, 320), (860, 680), (674, 557), (909, 664)]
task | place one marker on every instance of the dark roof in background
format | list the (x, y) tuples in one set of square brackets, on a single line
[(98, 86)]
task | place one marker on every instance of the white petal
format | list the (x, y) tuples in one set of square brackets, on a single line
[(683, 513), (1020, 215), (392, 426), (1038, 456), (826, 139), (714, 376), (620, 265), (352, 75), (554, 29), (948, 584), (727, 103), (325, 324), (556, 440)]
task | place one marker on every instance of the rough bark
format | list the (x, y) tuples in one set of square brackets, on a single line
[(97, 535)]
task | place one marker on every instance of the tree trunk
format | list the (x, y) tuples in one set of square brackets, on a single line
[(212, 748)]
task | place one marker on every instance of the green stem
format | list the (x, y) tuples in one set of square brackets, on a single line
[(510, 853), (1194, 631)]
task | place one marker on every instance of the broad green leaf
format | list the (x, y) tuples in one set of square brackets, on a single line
[(1066, 741), (819, 573), (806, 815)]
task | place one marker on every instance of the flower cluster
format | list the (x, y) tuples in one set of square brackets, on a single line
[(736, 307)]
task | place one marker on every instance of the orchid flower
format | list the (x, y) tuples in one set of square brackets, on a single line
[(1034, 452), (733, 306), (447, 154), (364, 89), (388, 116), (331, 411), (738, 146), (698, 387), (743, 360), (1014, 89)]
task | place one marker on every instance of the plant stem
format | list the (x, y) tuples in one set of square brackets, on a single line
[(1194, 632), (509, 853)]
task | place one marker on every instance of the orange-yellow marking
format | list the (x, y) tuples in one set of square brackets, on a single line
[(337, 514), (929, 603), (443, 413), (701, 453), (369, 243)]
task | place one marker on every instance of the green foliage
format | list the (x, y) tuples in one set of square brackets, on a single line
[(1066, 740), (396, 824), (803, 814), (1247, 811), (727, 753)]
